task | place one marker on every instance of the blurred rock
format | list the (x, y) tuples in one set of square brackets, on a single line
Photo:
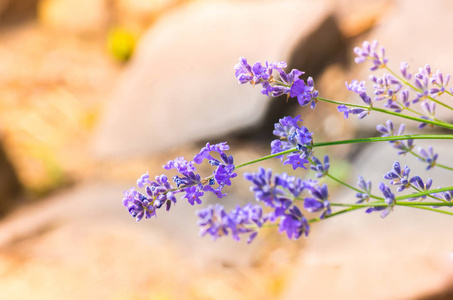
[(14, 11), (180, 86), (361, 256), (138, 14), (74, 16), (10, 186)]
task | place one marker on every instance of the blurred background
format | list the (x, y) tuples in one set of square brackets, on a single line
[(94, 93)]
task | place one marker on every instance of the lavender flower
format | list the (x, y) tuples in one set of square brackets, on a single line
[(138, 205), (318, 167), (357, 110), (440, 84), (356, 87), (213, 220), (188, 183), (373, 53), (294, 224), (289, 84), (399, 176), (404, 146), (428, 156), (319, 202), (448, 195), (273, 192), (421, 186), (386, 88), (389, 199), (404, 70), (294, 136), (366, 188), (225, 167), (421, 82)]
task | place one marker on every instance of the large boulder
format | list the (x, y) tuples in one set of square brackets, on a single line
[(180, 86)]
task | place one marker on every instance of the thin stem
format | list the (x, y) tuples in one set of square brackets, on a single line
[(437, 123), (388, 138), (433, 209), (315, 220)]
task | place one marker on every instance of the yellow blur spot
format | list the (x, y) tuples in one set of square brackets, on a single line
[(121, 44)]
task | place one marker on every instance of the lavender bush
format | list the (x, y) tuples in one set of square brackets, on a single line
[(281, 199)]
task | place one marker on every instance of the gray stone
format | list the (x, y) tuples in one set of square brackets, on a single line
[(361, 256), (180, 86)]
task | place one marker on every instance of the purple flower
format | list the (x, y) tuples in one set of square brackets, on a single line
[(205, 151), (389, 199), (421, 186), (294, 224), (447, 195), (193, 195), (399, 176), (440, 84), (213, 220), (371, 52), (216, 191), (421, 83), (143, 180), (428, 156), (138, 205), (292, 136), (243, 71), (289, 84), (356, 87), (305, 93), (366, 188), (386, 88), (388, 130), (355, 111), (318, 167), (270, 191), (181, 165), (320, 200), (404, 70), (296, 160), (224, 173), (160, 191)]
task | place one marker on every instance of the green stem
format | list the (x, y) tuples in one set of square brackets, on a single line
[(433, 209), (314, 220), (355, 141), (388, 138), (437, 123)]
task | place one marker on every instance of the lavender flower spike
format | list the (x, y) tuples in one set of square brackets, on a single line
[(428, 156), (371, 52), (399, 176)]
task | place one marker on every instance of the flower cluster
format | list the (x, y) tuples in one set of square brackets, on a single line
[(292, 136), (288, 83), (279, 192), (215, 221), (284, 200), (395, 90), (187, 182)]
